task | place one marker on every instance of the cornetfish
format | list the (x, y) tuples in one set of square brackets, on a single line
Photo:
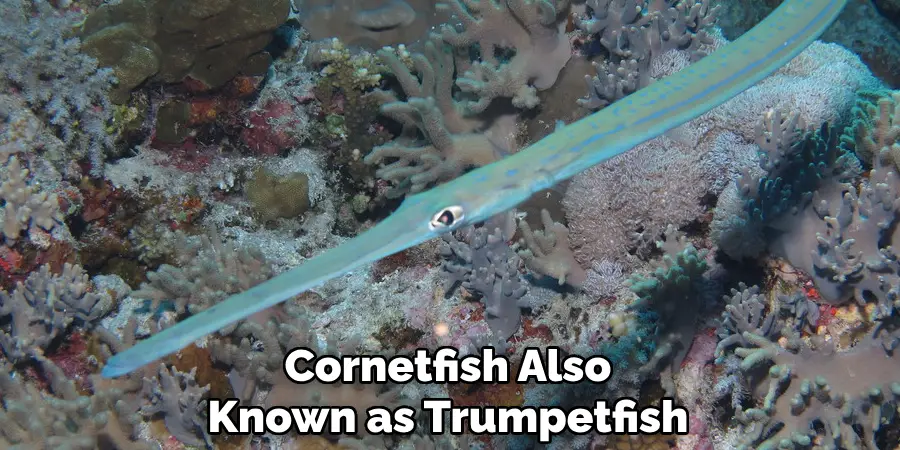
[(497, 187)]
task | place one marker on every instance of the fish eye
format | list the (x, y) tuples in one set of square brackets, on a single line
[(447, 217)]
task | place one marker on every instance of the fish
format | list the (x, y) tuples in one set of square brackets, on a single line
[(497, 187)]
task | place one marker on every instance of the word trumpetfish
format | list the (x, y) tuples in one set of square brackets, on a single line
[(497, 187)]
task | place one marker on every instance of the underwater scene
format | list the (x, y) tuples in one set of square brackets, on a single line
[(449, 224)]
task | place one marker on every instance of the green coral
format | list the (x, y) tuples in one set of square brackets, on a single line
[(875, 130), (673, 292)]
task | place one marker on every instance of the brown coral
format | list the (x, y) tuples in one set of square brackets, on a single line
[(211, 41), (275, 197)]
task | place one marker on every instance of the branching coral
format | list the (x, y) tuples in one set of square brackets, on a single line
[(63, 418), (25, 207), (209, 269), (484, 263), (810, 192), (875, 131), (447, 156), (522, 49), (674, 293), (452, 143), (634, 33), (547, 252), (42, 308), (44, 67), (796, 162), (815, 393), (745, 312), (529, 28), (44, 408), (256, 352), (181, 400)]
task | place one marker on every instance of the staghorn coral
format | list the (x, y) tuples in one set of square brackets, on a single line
[(155, 391), (854, 252)]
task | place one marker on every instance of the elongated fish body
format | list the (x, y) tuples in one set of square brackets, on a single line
[(497, 187)]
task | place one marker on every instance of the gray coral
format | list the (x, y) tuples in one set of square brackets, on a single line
[(853, 226), (811, 383), (546, 252), (63, 418), (529, 27), (209, 270), (177, 395), (452, 142), (59, 83), (484, 263), (636, 34), (25, 206), (42, 308)]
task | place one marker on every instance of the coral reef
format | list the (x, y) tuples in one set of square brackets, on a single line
[(159, 156), (48, 75)]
